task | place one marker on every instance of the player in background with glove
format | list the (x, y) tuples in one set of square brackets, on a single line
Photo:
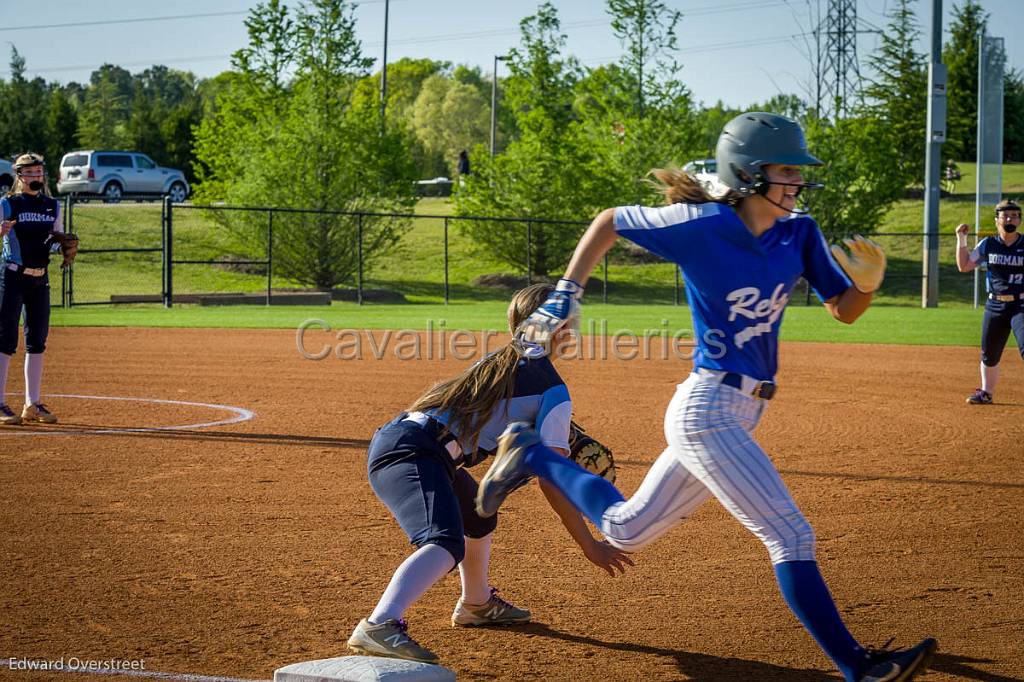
[(30, 225), (742, 253), (417, 467)]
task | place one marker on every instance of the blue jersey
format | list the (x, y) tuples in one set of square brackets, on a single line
[(29, 242), (737, 284), (1005, 265), (539, 397)]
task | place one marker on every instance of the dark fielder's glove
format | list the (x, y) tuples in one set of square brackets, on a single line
[(68, 247), (590, 454)]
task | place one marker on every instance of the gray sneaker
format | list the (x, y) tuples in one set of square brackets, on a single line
[(508, 470), (496, 611), (8, 416), (390, 639)]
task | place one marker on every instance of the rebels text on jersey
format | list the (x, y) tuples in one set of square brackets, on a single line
[(1005, 265), (737, 284)]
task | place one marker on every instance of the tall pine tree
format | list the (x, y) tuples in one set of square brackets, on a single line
[(898, 93)]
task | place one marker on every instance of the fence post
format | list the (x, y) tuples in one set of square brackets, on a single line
[(359, 274), (270, 254), (446, 260), (168, 253), (675, 293), (65, 275), (529, 249), (604, 286)]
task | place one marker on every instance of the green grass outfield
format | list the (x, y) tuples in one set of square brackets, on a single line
[(881, 324)]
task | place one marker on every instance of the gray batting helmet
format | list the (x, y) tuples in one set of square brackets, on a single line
[(754, 139)]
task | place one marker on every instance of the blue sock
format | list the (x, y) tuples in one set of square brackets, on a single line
[(807, 596), (589, 493)]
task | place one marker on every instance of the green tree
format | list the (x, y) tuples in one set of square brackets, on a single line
[(449, 116), (103, 120), (1013, 103), (313, 147), (898, 93), (960, 55), (539, 174), (647, 31), (61, 127), (23, 110), (860, 181)]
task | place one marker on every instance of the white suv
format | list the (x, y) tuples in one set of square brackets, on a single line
[(113, 175)]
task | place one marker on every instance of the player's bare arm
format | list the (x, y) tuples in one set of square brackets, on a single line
[(963, 252), (594, 244), (601, 554)]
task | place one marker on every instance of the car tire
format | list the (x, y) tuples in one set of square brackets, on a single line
[(6, 182), (178, 193), (113, 193)]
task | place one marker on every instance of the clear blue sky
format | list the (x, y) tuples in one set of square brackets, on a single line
[(739, 51)]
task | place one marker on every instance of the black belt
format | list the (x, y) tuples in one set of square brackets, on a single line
[(765, 390)]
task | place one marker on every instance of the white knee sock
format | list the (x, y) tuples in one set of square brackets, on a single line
[(989, 378), (416, 575), (33, 377), (5, 362), (473, 570)]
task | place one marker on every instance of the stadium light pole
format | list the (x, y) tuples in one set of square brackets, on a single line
[(936, 135), (384, 71), (494, 99)]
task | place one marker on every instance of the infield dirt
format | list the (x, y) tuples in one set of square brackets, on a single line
[(235, 550)]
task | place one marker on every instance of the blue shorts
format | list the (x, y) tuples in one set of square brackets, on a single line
[(415, 478)]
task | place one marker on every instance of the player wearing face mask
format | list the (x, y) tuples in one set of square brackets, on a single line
[(1003, 253), (30, 227)]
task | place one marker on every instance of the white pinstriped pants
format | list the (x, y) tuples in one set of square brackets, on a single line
[(711, 452)]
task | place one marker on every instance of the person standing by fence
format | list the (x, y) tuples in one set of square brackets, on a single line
[(31, 229), (1004, 309)]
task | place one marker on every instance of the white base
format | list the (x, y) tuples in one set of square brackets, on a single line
[(363, 669)]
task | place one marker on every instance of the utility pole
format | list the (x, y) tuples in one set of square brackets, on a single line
[(384, 71), (494, 101), (936, 135)]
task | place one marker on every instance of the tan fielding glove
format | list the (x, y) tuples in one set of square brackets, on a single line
[(864, 264)]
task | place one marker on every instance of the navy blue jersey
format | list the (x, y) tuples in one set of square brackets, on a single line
[(737, 284), (1005, 265), (540, 397), (29, 243)]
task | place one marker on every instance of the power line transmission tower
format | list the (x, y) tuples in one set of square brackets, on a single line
[(837, 70)]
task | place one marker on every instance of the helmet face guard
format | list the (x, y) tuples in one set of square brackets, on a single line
[(754, 140)]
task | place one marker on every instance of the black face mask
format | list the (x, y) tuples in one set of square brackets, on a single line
[(35, 185)]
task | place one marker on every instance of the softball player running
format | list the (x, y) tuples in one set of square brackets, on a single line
[(31, 229), (1004, 309), (741, 253), (417, 468)]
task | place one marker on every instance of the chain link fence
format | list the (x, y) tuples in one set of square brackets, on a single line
[(163, 253)]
